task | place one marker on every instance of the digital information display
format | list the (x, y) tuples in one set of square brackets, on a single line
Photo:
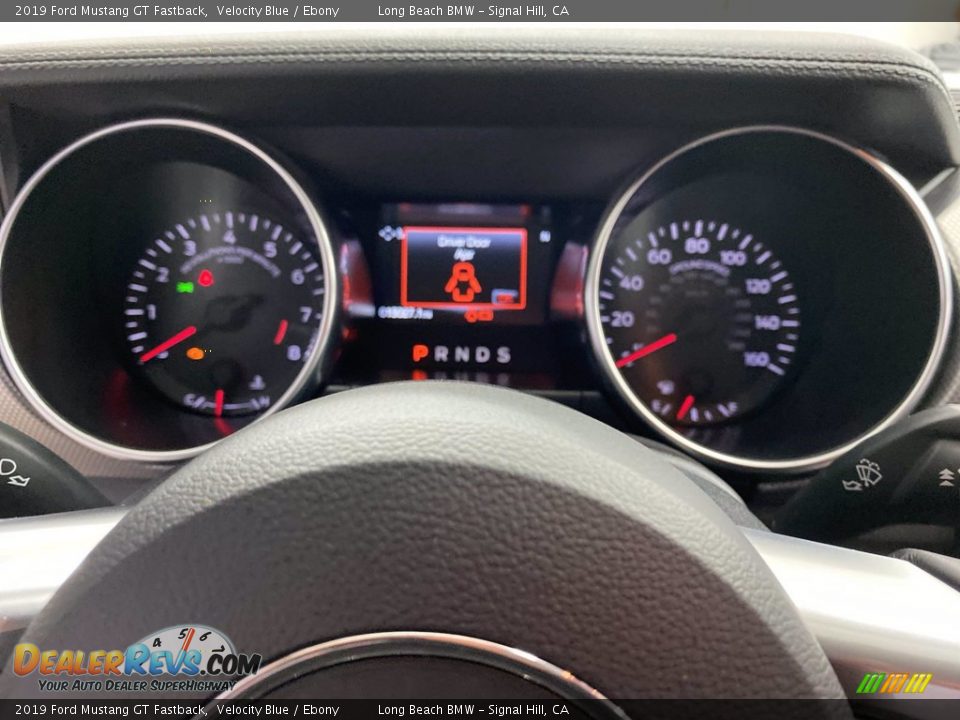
[(463, 290), (463, 268), (464, 263)]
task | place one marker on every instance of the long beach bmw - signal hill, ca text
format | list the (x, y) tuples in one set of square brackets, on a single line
[(401, 12)]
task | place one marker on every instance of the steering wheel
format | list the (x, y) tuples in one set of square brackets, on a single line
[(434, 539)]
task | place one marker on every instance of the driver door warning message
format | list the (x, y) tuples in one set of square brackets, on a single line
[(463, 268)]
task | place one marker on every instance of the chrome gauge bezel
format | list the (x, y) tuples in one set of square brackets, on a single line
[(606, 361), (310, 374)]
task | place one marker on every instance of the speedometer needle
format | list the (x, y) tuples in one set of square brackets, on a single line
[(668, 339), (167, 344)]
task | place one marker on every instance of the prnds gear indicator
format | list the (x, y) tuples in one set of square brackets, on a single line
[(463, 268)]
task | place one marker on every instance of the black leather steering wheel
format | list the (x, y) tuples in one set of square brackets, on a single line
[(447, 508)]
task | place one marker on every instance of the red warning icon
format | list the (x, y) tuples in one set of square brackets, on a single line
[(463, 284)]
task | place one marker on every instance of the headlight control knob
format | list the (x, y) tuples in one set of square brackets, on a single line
[(35, 481)]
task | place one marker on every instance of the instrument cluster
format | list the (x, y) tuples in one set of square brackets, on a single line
[(763, 298)]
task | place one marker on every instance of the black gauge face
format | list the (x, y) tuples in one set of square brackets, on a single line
[(700, 316), (222, 311)]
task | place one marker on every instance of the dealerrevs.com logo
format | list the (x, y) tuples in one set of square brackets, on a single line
[(185, 658)]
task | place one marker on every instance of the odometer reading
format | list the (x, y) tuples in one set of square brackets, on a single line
[(701, 318), (222, 311)]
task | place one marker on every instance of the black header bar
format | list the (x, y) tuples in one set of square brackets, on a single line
[(332, 11)]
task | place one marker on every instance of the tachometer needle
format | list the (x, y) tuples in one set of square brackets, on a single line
[(669, 339), (167, 344), (688, 402), (218, 403)]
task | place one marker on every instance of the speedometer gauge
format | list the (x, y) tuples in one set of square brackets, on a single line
[(222, 311), (701, 317), (755, 298)]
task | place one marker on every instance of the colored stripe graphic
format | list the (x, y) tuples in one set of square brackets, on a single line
[(870, 683), (918, 683), (893, 683), (899, 684)]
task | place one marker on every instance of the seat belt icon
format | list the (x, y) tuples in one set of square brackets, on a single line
[(463, 274)]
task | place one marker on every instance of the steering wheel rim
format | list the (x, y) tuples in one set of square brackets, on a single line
[(451, 508)]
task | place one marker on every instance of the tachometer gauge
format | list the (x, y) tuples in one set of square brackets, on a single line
[(207, 280), (701, 317), (222, 311)]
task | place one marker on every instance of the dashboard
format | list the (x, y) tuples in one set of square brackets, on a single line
[(740, 250), (762, 292)]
